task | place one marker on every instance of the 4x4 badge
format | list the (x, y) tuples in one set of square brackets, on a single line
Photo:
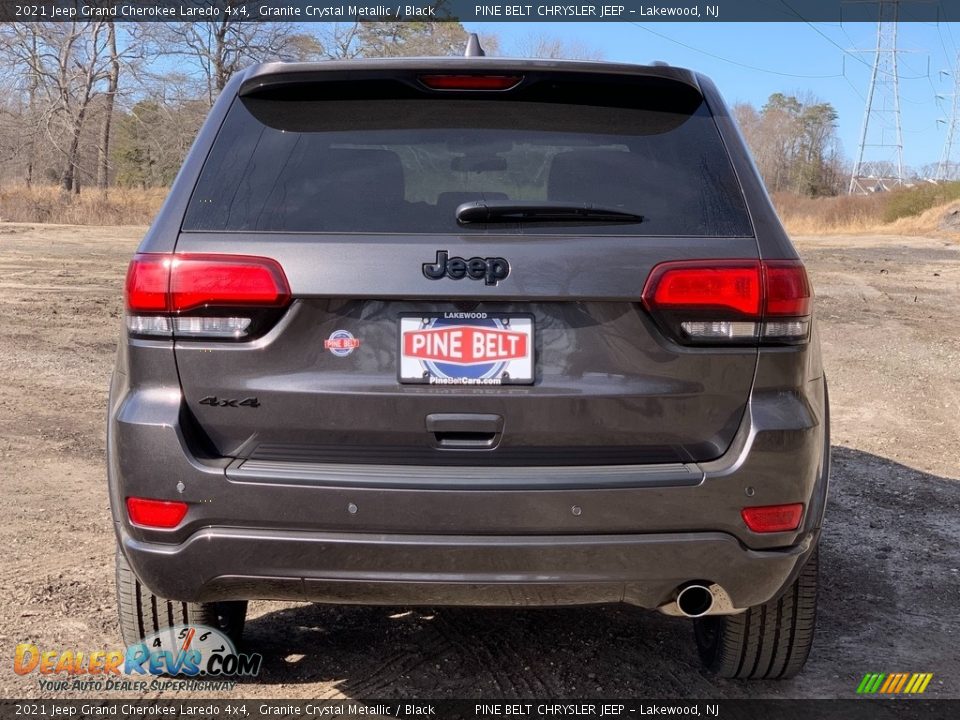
[(491, 270)]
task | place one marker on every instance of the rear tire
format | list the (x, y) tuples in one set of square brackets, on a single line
[(142, 613), (769, 641)]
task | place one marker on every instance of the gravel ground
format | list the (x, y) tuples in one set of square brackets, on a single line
[(891, 547)]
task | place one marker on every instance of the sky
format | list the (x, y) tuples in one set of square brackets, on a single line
[(750, 61)]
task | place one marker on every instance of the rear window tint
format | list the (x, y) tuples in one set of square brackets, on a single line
[(404, 166)]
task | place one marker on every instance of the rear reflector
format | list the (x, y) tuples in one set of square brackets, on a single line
[(155, 513), (730, 301), (773, 518), (201, 296), (471, 82)]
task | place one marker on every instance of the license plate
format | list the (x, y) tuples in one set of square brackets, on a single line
[(466, 348)]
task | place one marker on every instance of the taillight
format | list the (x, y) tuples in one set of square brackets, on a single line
[(773, 518), (148, 282), (732, 302), (229, 297), (471, 82), (164, 514)]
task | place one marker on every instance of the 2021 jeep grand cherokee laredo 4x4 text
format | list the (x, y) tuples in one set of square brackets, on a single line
[(472, 331)]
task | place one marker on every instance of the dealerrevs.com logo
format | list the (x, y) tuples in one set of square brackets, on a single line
[(202, 655)]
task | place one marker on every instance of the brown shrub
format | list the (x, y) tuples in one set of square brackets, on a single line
[(824, 215), (47, 204)]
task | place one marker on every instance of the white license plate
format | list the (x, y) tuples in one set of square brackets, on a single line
[(466, 348)]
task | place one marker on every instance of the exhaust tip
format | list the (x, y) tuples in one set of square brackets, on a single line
[(695, 600)]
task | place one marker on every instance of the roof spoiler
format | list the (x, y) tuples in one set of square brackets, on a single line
[(275, 75)]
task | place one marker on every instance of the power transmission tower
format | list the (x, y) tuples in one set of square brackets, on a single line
[(884, 170), (944, 167)]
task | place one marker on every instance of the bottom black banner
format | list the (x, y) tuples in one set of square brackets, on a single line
[(484, 709)]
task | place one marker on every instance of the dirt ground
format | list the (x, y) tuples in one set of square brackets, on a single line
[(891, 547)]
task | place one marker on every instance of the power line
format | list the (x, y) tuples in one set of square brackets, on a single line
[(946, 53), (824, 35), (732, 62), (845, 51), (854, 88), (950, 35), (847, 35)]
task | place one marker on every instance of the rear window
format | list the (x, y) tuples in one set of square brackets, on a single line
[(404, 164)]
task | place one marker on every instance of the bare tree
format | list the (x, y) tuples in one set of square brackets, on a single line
[(66, 64), (339, 40), (536, 45), (33, 85), (15, 140), (113, 83), (413, 39), (217, 49)]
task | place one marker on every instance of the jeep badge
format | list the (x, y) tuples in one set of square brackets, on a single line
[(491, 270)]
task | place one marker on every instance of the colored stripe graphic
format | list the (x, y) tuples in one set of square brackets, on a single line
[(891, 681), (894, 683), (870, 683)]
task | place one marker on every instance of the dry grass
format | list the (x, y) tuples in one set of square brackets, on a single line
[(120, 206), (913, 202), (844, 214), (830, 215), (913, 211), (941, 220)]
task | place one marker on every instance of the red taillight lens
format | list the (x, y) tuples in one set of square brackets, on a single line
[(148, 283), (730, 301), (471, 82), (155, 513), (715, 285), (203, 296), (773, 518), (787, 289), (178, 283), (219, 280)]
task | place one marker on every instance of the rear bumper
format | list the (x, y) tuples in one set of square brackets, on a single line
[(533, 536), (357, 568)]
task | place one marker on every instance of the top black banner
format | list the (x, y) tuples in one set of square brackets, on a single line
[(480, 10), (496, 709)]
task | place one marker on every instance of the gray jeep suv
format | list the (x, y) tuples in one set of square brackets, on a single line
[(472, 331)]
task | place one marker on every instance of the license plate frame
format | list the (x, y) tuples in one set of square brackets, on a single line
[(424, 368)]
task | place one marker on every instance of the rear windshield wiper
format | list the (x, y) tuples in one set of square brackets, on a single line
[(511, 211)]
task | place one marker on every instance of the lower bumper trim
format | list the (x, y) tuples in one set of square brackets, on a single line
[(376, 569)]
